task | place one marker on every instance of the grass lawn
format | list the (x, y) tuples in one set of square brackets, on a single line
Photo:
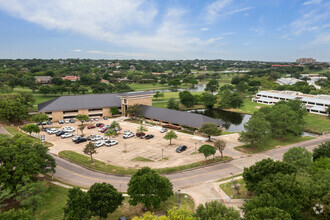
[(143, 159), (248, 107), (150, 86), (271, 144), (108, 168), (242, 193), (162, 102), (52, 207), (317, 123)]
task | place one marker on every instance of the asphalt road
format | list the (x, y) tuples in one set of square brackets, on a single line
[(76, 175)]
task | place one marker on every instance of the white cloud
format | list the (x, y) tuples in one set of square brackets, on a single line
[(311, 2), (238, 10), (76, 50), (215, 8), (204, 29)]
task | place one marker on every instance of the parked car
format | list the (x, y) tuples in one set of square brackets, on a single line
[(60, 121), (181, 149), (38, 123), (45, 129), (61, 132), (67, 121), (110, 143), (52, 131), (91, 119), (104, 130), (163, 130), (99, 143), (106, 139), (74, 139), (99, 124), (91, 127), (127, 131), (49, 122), (44, 123), (105, 118), (140, 134), (128, 135), (81, 139), (97, 138), (149, 136), (96, 119), (66, 135), (68, 129), (72, 120), (87, 120), (42, 138)]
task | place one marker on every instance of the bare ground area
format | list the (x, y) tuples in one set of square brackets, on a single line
[(128, 149)]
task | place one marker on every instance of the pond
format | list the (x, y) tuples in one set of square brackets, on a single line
[(234, 122), (197, 88)]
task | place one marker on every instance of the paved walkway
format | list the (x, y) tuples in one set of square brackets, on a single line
[(3, 130)]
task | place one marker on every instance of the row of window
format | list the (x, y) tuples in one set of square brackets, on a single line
[(310, 103)]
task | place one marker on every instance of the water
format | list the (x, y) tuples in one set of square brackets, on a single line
[(197, 88)]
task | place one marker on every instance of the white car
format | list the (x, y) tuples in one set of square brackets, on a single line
[(96, 119), (52, 131), (66, 121), (68, 129), (110, 143), (100, 129), (163, 130), (106, 139), (96, 138), (99, 143), (66, 135), (128, 135)]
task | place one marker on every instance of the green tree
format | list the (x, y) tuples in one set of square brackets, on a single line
[(242, 87), (40, 118), (170, 135), (141, 129), (81, 128), (172, 214), (15, 214), (30, 128), (110, 133), (149, 188), (209, 100), (22, 159), (114, 111), (172, 104), (212, 86), (174, 82), (115, 125), (193, 82), (299, 157), (5, 193), (82, 118), (210, 129), (220, 145), (207, 150), (44, 90), (257, 129), (104, 199), (255, 173), (32, 195), (186, 98), (322, 151), (236, 100), (225, 99), (13, 107), (77, 205), (216, 210), (90, 149), (134, 110), (267, 213)]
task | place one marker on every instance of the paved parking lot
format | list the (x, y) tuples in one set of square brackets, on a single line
[(128, 149)]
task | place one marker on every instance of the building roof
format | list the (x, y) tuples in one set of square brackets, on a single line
[(43, 78), (72, 78), (130, 94), (177, 117), (66, 103)]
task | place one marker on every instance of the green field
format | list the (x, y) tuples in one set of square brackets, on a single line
[(271, 144), (150, 86), (248, 107), (317, 123), (242, 193), (52, 207)]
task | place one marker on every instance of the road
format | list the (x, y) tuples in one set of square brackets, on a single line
[(80, 176)]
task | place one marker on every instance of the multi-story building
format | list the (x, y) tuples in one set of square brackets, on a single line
[(305, 60), (316, 104)]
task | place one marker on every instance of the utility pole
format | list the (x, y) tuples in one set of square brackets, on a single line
[(162, 153), (195, 146), (232, 185), (178, 198)]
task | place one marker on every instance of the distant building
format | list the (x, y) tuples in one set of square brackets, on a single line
[(157, 74), (280, 65), (316, 104), (204, 68), (104, 81), (305, 60), (43, 79), (287, 81), (71, 78), (132, 67)]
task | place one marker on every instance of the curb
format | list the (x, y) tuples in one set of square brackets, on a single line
[(224, 202)]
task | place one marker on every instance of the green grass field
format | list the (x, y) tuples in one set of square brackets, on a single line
[(52, 207), (248, 107), (108, 168), (317, 123), (242, 193), (150, 86), (271, 144)]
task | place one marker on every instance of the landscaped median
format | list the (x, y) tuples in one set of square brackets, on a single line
[(85, 161), (271, 144)]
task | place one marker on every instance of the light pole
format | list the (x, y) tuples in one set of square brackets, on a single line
[(195, 146), (232, 185), (178, 198), (162, 153)]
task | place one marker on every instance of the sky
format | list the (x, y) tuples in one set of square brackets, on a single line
[(266, 30)]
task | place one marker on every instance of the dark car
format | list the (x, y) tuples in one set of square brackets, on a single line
[(140, 134), (60, 133), (181, 149), (38, 123), (105, 118), (99, 124), (45, 129), (60, 121), (149, 136), (49, 122), (72, 120), (81, 139)]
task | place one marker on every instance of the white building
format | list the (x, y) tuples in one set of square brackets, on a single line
[(316, 104)]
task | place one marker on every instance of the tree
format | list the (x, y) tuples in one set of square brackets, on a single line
[(299, 157), (170, 135), (236, 100), (14, 214), (186, 98), (44, 90), (159, 94), (172, 104), (149, 188), (207, 150), (220, 145), (82, 118), (116, 126), (23, 159), (90, 149), (134, 110), (32, 195), (81, 128), (29, 128), (13, 107), (267, 213), (174, 82), (257, 129), (242, 87), (225, 99), (40, 118), (322, 151), (77, 205), (193, 82), (5, 193), (255, 173), (216, 210), (210, 129), (104, 199), (114, 111), (172, 214), (141, 129), (212, 86), (209, 100)]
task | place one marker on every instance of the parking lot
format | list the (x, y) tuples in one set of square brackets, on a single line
[(126, 150)]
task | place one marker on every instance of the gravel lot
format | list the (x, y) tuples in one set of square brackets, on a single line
[(128, 149)]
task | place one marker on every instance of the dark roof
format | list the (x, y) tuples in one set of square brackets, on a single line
[(127, 94), (75, 102), (177, 117)]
